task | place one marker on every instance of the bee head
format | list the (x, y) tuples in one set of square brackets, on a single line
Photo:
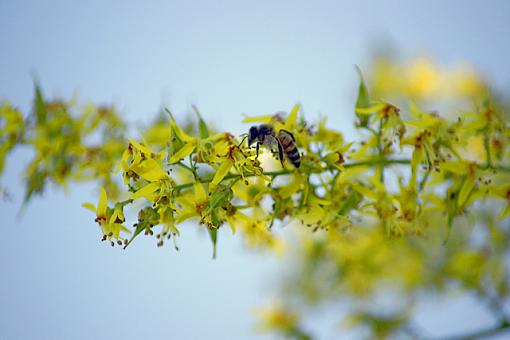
[(252, 135)]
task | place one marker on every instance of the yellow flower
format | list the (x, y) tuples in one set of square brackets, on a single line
[(109, 220), (12, 128), (188, 143), (255, 229), (141, 160), (276, 317), (243, 164), (156, 192), (423, 78), (194, 204)]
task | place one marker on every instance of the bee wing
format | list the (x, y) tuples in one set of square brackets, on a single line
[(280, 150)]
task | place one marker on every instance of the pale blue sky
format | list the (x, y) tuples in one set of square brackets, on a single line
[(57, 280)]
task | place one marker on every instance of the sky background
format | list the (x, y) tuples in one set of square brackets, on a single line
[(57, 281)]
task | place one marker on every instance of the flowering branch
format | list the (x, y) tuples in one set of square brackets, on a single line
[(372, 209)]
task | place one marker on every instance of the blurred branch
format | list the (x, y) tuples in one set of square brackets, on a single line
[(503, 326)]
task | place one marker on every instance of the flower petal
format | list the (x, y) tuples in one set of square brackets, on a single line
[(200, 194), (89, 206), (466, 189), (149, 170), (291, 121), (258, 119), (141, 147), (147, 192), (183, 136), (221, 173), (183, 152), (101, 205)]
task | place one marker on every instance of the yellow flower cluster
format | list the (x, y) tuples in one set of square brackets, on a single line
[(68, 143)]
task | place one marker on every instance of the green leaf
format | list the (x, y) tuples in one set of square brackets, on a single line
[(147, 217), (202, 126), (169, 113), (213, 232), (448, 229), (140, 226), (39, 104), (220, 197), (350, 203), (363, 100)]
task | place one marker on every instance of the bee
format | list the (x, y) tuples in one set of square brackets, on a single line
[(284, 142)]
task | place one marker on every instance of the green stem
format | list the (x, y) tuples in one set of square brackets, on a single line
[(273, 174), (380, 149), (182, 165), (373, 162), (125, 202), (425, 177), (486, 143)]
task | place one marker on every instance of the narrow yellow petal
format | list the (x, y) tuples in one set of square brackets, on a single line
[(377, 184), (115, 228), (186, 200), (221, 173), (101, 205), (217, 136), (466, 189), (141, 147), (258, 119), (89, 206), (123, 161), (505, 212), (232, 224), (323, 202), (457, 167), (114, 216), (185, 215), (369, 110), (366, 192), (149, 170), (183, 136), (292, 118), (200, 194), (183, 152), (147, 192)]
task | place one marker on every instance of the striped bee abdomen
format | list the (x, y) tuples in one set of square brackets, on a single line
[(289, 147)]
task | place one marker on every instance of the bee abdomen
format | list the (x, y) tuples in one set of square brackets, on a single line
[(294, 157), (289, 148)]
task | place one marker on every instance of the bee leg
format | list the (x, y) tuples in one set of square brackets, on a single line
[(280, 153), (258, 145), (245, 135)]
